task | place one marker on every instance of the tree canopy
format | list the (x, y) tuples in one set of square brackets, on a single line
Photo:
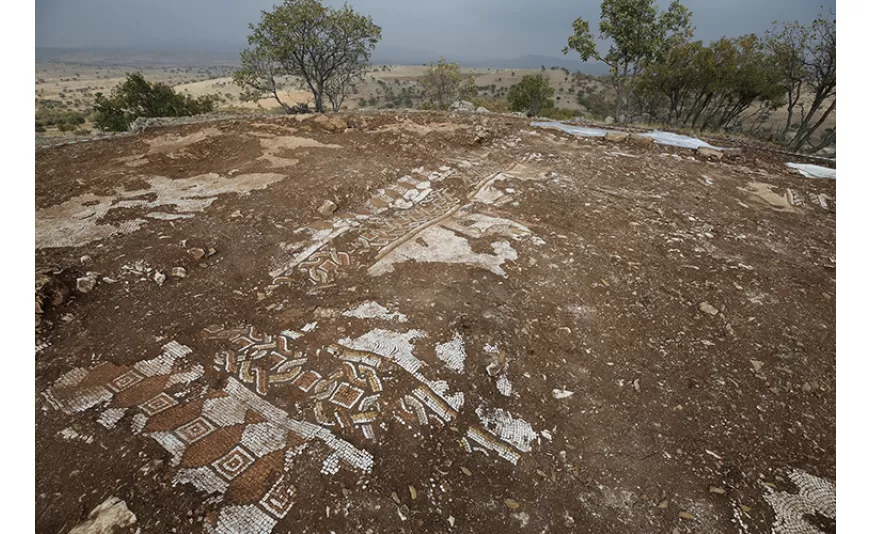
[(442, 84), (733, 83), (325, 48), (638, 33), (532, 94), (137, 97), (805, 60)]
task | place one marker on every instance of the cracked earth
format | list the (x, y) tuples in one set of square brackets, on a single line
[(489, 327)]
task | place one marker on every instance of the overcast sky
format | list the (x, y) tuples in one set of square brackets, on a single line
[(459, 28)]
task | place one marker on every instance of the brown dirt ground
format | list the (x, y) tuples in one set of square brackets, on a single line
[(668, 400)]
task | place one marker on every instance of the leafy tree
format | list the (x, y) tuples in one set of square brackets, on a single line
[(711, 86), (325, 48), (441, 83), (638, 32), (137, 97), (805, 57), (532, 94)]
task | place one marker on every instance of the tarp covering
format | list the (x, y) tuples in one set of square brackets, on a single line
[(662, 138), (672, 139), (579, 131), (814, 171)]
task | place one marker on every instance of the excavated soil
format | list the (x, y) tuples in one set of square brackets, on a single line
[(499, 329)]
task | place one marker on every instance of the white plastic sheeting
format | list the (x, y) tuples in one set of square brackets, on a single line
[(662, 138), (814, 171), (579, 131), (672, 139)]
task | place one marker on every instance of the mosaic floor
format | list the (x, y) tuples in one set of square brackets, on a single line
[(497, 312), (237, 447)]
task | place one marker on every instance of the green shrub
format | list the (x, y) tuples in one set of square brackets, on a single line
[(532, 94), (137, 97)]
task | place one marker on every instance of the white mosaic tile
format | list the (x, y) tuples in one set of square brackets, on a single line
[(71, 379), (395, 346), (452, 353), (203, 478), (504, 385), (508, 428), (109, 418), (137, 425), (81, 401), (163, 364), (815, 496), (263, 438), (171, 443), (244, 519), (70, 434), (372, 310), (186, 377)]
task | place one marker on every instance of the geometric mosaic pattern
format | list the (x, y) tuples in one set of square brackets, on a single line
[(391, 217), (388, 230), (347, 397), (228, 442), (232, 443), (415, 203), (323, 265), (799, 198)]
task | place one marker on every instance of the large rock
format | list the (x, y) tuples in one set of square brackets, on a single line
[(110, 517), (616, 137), (482, 134), (609, 120), (327, 208), (482, 109), (330, 123), (87, 283), (709, 153), (640, 140), (462, 105)]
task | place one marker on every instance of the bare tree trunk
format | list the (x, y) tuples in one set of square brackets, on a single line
[(805, 132), (793, 98), (829, 138)]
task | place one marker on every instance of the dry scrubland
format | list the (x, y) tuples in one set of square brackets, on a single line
[(72, 86)]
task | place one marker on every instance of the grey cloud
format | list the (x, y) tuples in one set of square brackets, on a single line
[(475, 29)]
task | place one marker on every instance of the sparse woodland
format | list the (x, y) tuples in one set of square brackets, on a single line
[(778, 87)]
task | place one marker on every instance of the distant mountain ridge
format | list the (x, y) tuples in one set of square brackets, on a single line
[(204, 54), (405, 56)]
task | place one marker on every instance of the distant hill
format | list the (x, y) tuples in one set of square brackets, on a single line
[(389, 55), (153, 57), (205, 54), (536, 61)]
